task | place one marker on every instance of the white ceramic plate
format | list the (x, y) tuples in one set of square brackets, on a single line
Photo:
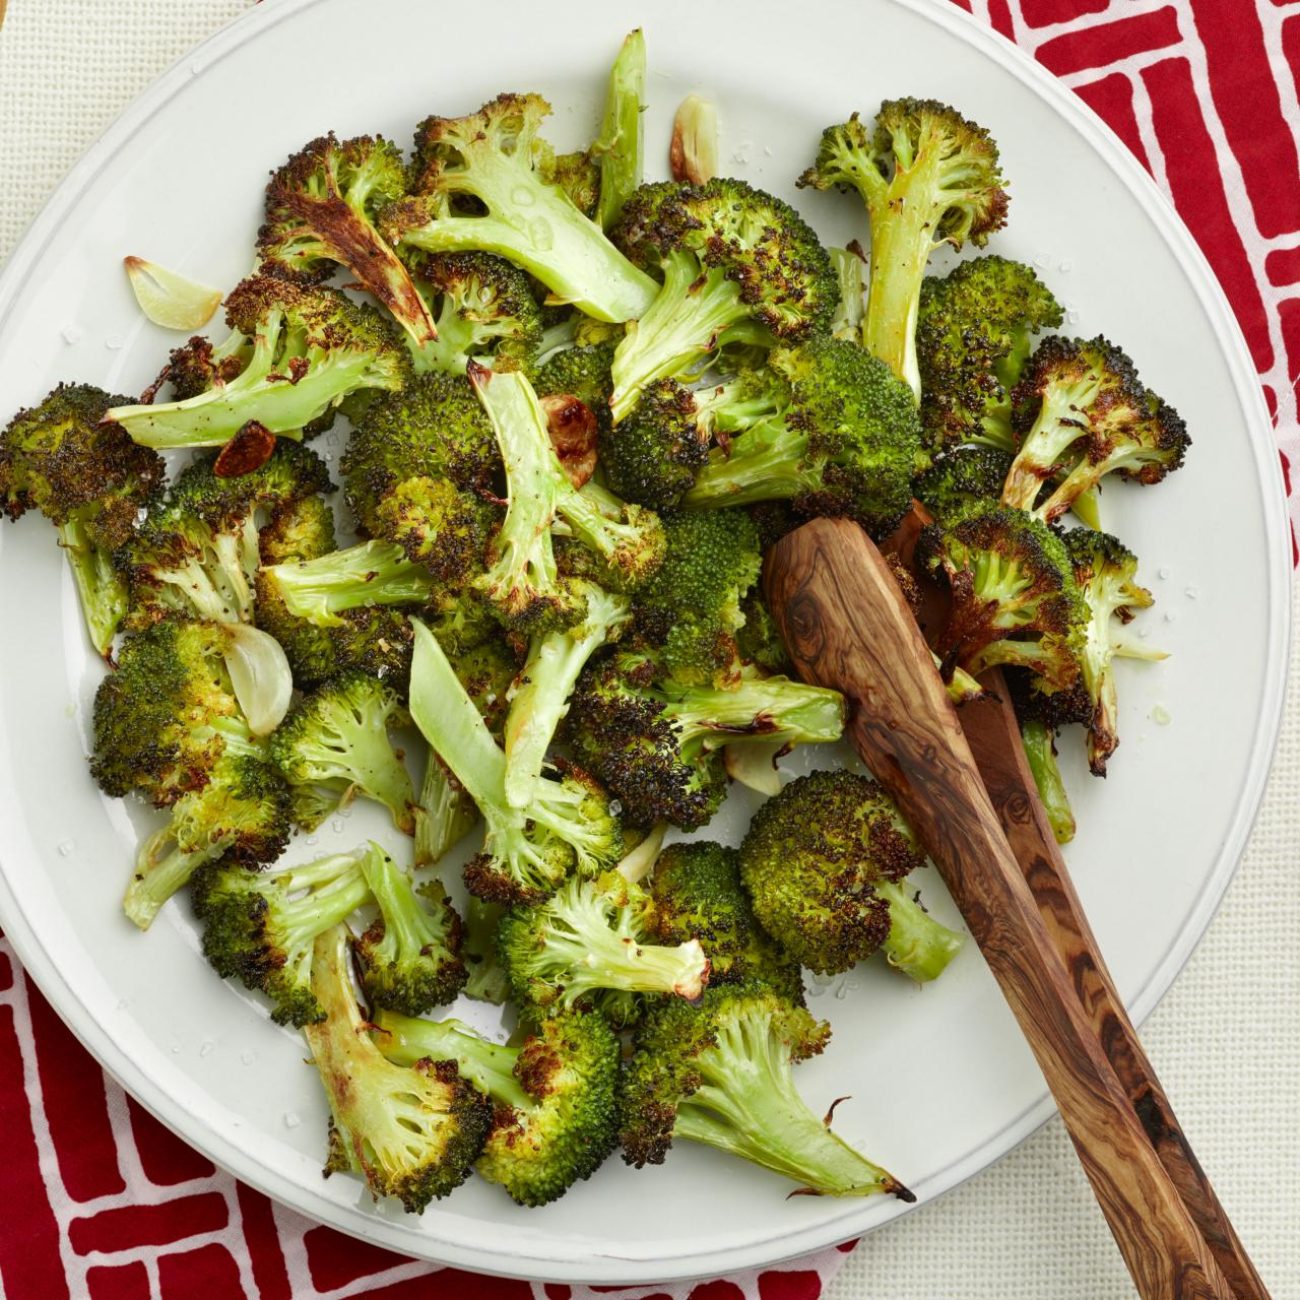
[(942, 1082)]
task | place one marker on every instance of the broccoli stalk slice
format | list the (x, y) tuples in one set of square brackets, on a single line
[(1039, 743), (101, 589), (369, 573), (747, 1104), (162, 868), (679, 332), (768, 462), (260, 393), (444, 816), (1057, 428), (917, 944), (413, 1132), (620, 146), (541, 701)]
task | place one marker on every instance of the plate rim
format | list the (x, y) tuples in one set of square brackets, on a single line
[(629, 1269)]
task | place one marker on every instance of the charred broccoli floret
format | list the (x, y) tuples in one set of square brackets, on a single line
[(653, 456), (1015, 600), (259, 927), (697, 893), (90, 481), (720, 1073), (409, 957), (493, 161), (555, 1096), (846, 441), (825, 863), (973, 337), (413, 1132), (928, 177), (309, 347), (736, 263), (526, 853), (334, 745), (320, 215), (962, 477), (1080, 413), (592, 943), (655, 742)]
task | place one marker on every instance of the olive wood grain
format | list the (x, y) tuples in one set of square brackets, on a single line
[(847, 625)]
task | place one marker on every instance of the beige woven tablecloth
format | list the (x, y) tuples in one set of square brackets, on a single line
[(1226, 1040)]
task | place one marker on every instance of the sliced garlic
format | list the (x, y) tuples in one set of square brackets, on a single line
[(637, 865), (169, 299), (753, 764), (261, 676), (693, 151)]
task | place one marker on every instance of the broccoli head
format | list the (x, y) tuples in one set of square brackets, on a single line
[(962, 477), (653, 456)]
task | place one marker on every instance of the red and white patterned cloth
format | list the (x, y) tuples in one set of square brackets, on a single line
[(102, 1202)]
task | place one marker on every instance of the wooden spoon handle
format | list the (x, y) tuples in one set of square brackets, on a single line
[(847, 625), (993, 734)]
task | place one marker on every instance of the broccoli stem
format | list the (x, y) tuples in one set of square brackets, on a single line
[(370, 573), (489, 1066), (335, 889), (758, 709), (747, 1104), (546, 683), (1040, 751), (445, 815), (405, 922), (620, 146), (101, 589), (1087, 508), (917, 944), (162, 868), (678, 332), (762, 464)]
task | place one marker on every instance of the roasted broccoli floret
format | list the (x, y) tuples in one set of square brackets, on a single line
[(1039, 742), (334, 745), (482, 305), (973, 337), (653, 456), (962, 477), (196, 553), (656, 742), (555, 1096), (845, 442), (259, 927), (310, 346), (697, 893), (240, 815), (169, 713), (90, 481), (324, 588), (928, 177), (481, 182), (1106, 571), (592, 943), (409, 957), (720, 1073), (691, 610), (320, 215), (413, 1132), (758, 639), (825, 863), (1015, 600), (736, 263), (1080, 413), (526, 853)]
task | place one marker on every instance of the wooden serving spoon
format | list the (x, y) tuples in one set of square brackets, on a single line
[(847, 625)]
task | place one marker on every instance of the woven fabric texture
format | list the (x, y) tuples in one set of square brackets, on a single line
[(1204, 92)]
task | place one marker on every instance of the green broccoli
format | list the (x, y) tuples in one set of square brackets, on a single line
[(320, 215), (720, 1074), (487, 977), (1080, 413), (555, 1096), (620, 147), (973, 337), (592, 943), (846, 441), (928, 176), (526, 854), (259, 927), (962, 477), (736, 263), (323, 589), (310, 347), (413, 1132), (758, 639), (409, 957), (1039, 743), (653, 456), (825, 863), (91, 482), (494, 161), (334, 744)]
